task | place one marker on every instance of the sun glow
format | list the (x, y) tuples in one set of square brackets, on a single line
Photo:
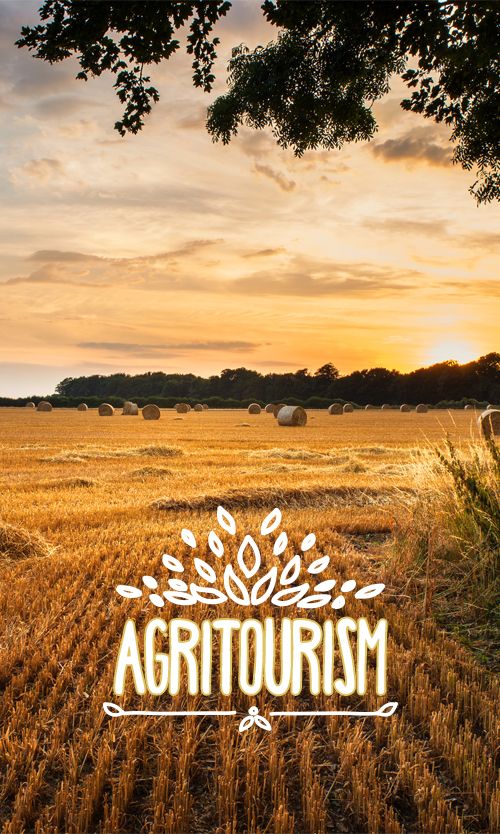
[(456, 349)]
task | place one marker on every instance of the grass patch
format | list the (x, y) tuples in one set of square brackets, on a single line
[(449, 544), (77, 455)]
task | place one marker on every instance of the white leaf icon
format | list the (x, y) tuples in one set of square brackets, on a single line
[(280, 544), (226, 521), (291, 571), (267, 582), (230, 580), (215, 544), (288, 596), (326, 585), (188, 538), (314, 601), (309, 541), (177, 585), (270, 522), (205, 570), (370, 591), (179, 598), (210, 595), (319, 565), (262, 722), (128, 591), (172, 563), (249, 557), (246, 723)]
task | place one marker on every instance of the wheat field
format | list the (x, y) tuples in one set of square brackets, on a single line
[(88, 503)]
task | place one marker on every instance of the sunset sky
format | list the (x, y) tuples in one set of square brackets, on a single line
[(164, 251)]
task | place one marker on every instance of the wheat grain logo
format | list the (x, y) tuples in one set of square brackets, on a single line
[(243, 583)]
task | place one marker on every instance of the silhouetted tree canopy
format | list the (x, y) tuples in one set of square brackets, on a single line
[(315, 84), (478, 380)]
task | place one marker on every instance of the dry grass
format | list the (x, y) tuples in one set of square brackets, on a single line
[(65, 768), (17, 543)]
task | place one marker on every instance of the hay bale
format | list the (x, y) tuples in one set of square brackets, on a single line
[(405, 408), (30, 405), (205, 407), (82, 407), (386, 407), (18, 543), (292, 415), (44, 406), (369, 407), (348, 408), (269, 409), (277, 408), (151, 412), (130, 409), (489, 422), (254, 408), (468, 407), (421, 408), (198, 407), (181, 408), (335, 408), (106, 410)]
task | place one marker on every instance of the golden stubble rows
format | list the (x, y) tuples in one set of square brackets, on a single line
[(66, 767)]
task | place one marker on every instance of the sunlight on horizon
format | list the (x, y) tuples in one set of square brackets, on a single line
[(452, 349)]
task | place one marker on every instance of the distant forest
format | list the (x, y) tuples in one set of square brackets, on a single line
[(441, 384)]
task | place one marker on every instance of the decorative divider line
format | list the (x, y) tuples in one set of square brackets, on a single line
[(253, 717)]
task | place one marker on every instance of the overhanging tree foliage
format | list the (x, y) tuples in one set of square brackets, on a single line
[(314, 85)]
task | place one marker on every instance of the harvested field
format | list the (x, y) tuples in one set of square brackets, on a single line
[(81, 495)]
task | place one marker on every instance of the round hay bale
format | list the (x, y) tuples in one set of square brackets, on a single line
[(385, 407), (30, 405), (181, 408), (205, 407), (369, 407), (421, 408), (106, 410), (254, 408), (44, 406), (151, 412), (335, 408), (292, 415), (82, 407), (489, 422), (269, 409), (277, 408), (130, 409), (348, 408), (489, 406), (404, 407), (198, 407), (468, 407)]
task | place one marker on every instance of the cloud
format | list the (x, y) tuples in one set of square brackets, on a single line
[(52, 274), (56, 107), (41, 170), (56, 255), (265, 253), (311, 278), (153, 350), (280, 180), (418, 145), (194, 119), (434, 228)]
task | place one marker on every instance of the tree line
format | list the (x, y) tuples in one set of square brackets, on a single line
[(444, 383)]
